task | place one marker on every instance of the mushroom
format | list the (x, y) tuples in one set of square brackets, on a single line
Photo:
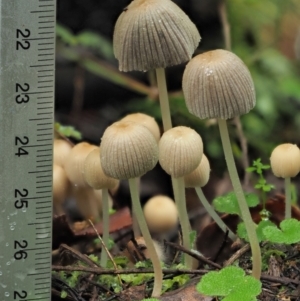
[(61, 151), (145, 120), (199, 178), (217, 84), (154, 34), (285, 163), (128, 151), (83, 194), (180, 152), (161, 214), (97, 179), (61, 187)]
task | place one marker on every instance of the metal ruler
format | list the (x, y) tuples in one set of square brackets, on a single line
[(27, 64)]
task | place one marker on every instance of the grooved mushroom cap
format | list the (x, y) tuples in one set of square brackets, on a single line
[(161, 214), (285, 160), (217, 84), (75, 163), (61, 185), (128, 150), (180, 151), (152, 34), (93, 172), (200, 176), (145, 120)]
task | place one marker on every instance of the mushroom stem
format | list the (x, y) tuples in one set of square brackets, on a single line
[(288, 206), (179, 196), (137, 208), (105, 222), (245, 212), (213, 213), (163, 98)]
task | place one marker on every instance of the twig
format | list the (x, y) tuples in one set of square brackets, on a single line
[(78, 255), (106, 250), (237, 255), (193, 254), (99, 271), (282, 280)]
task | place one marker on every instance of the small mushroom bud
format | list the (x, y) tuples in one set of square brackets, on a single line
[(217, 84), (161, 214), (61, 187), (152, 34), (200, 176), (285, 163), (75, 163), (285, 160), (61, 151), (128, 150), (93, 173), (180, 151), (145, 120)]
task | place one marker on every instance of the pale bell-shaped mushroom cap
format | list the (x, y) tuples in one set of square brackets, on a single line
[(161, 214), (75, 163), (152, 34), (145, 120), (61, 151), (61, 186), (285, 160), (217, 84), (128, 150), (180, 151), (93, 173), (200, 176)]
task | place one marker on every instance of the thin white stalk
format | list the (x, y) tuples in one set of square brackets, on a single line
[(163, 98), (137, 208), (105, 223), (245, 212), (288, 205), (179, 195), (213, 214)]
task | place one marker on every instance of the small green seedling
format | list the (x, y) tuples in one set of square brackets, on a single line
[(230, 283), (67, 131), (289, 232), (258, 167), (242, 233), (228, 203), (151, 299)]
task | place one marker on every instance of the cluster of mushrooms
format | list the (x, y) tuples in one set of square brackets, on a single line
[(155, 34)]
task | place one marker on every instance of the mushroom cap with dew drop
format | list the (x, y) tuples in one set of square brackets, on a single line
[(161, 214), (285, 160), (93, 173), (75, 163), (128, 150), (217, 84), (152, 34), (180, 151), (145, 120), (200, 176)]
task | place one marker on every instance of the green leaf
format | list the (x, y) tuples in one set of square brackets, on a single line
[(96, 41), (231, 283), (67, 131), (193, 237), (151, 299), (65, 35), (229, 204), (63, 294), (242, 233), (289, 233)]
